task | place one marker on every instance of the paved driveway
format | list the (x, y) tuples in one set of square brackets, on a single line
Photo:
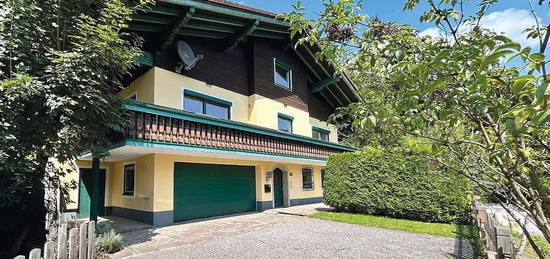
[(271, 235)]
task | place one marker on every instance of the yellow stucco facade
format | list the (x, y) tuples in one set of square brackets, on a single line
[(154, 172)]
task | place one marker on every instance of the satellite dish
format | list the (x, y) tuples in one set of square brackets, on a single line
[(188, 58)]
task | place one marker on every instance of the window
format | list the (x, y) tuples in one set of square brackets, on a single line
[(204, 104), (284, 123), (129, 180), (282, 74), (307, 179), (319, 133)]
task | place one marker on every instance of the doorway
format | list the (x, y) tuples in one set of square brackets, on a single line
[(85, 193), (278, 191)]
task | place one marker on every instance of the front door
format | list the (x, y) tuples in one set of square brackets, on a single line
[(85, 193), (278, 187)]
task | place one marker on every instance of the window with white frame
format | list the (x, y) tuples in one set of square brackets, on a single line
[(282, 74), (129, 180), (307, 179)]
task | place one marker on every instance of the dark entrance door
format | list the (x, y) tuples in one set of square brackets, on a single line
[(85, 193), (278, 187)]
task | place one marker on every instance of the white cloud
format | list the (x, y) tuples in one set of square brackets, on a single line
[(510, 22), (433, 32)]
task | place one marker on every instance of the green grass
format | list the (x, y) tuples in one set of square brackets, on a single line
[(529, 252), (435, 229)]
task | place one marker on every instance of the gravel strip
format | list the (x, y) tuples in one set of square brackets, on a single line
[(315, 238)]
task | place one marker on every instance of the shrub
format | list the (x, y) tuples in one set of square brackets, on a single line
[(104, 227), (109, 242), (396, 182)]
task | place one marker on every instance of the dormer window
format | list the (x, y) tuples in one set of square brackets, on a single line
[(283, 74)]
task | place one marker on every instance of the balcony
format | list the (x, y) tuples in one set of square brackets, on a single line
[(153, 124)]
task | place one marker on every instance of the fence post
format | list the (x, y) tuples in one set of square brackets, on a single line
[(82, 241), (62, 241), (34, 254), (73, 243), (91, 240), (48, 250)]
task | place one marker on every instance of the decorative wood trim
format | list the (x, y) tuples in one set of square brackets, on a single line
[(177, 26), (234, 41)]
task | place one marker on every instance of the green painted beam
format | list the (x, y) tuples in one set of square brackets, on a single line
[(335, 97), (234, 41), (151, 19), (327, 99), (161, 10), (210, 27), (227, 10), (144, 27), (218, 19), (203, 34), (270, 35), (146, 58), (178, 25), (305, 62), (320, 85)]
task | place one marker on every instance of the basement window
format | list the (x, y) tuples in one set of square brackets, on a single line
[(307, 179), (129, 179), (282, 74)]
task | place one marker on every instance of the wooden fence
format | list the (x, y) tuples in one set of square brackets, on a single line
[(81, 244)]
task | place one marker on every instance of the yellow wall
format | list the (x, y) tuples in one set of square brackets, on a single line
[(144, 184), (143, 87), (164, 178), (165, 88)]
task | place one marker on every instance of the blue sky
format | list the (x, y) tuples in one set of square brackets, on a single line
[(509, 17)]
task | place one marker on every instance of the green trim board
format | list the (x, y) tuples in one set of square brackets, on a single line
[(319, 86), (233, 11), (192, 148), (180, 114), (146, 58), (320, 129), (206, 97), (283, 64), (282, 115)]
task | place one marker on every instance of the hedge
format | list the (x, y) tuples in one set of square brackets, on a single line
[(395, 183)]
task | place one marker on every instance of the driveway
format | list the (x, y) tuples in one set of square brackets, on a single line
[(285, 234)]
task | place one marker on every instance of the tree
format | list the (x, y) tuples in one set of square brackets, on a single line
[(60, 63), (459, 91)]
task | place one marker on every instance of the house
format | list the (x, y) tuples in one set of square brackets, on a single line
[(244, 129)]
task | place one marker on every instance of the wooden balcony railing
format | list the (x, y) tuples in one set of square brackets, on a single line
[(161, 124)]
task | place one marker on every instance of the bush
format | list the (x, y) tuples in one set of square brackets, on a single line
[(396, 182), (108, 240)]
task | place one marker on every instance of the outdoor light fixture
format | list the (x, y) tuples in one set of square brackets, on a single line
[(268, 176)]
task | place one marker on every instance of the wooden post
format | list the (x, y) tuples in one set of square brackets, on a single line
[(62, 241), (73, 243), (91, 240), (48, 250), (34, 254), (94, 199), (83, 241)]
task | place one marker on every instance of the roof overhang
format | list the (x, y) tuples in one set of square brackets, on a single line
[(162, 23)]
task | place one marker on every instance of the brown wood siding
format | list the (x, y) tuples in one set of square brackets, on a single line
[(319, 108), (264, 52), (225, 70)]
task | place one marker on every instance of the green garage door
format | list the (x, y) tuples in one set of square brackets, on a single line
[(205, 190)]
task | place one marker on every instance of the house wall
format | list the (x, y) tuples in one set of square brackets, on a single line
[(142, 86)]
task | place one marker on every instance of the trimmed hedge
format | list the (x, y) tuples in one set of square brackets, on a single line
[(395, 183)]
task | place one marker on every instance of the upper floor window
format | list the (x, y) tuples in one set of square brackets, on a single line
[(284, 123), (283, 74), (204, 104), (320, 133)]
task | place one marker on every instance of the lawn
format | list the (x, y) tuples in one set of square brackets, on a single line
[(436, 229)]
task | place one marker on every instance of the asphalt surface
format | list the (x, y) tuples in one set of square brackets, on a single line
[(314, 238)]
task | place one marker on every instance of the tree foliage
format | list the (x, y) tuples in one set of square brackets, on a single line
[(459, 91), (60, 63)]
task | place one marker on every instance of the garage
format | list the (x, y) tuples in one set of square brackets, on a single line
[(206, 190)]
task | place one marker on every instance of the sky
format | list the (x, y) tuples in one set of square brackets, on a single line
[(509, 17)]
